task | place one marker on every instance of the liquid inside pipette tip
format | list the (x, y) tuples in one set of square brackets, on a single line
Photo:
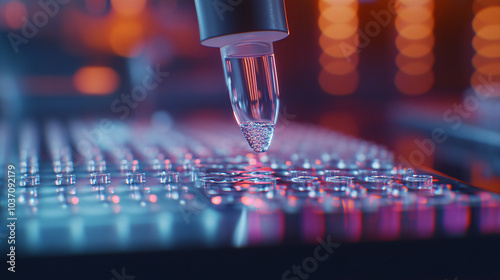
[(258, 135)]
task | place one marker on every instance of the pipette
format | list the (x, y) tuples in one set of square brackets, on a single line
[(245, 32)]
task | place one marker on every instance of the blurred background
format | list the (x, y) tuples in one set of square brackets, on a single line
[(419, 76)]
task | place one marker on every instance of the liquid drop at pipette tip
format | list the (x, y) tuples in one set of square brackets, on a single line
[(258, 135)]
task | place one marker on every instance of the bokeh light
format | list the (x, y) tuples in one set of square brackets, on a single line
[(96, 80), (415, 66), (485, 47), (14, 12), (486, 43), (216, 200), (128, 7), (415, 43), (338, 23), (126, 38), (415, 48)]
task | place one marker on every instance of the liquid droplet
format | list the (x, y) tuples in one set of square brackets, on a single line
[(258, 135)]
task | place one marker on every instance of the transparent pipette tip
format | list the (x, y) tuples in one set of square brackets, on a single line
[(250, 72)]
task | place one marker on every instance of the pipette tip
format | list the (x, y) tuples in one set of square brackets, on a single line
[(258, 135)]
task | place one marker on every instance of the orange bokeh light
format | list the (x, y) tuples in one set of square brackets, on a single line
[(415, 43), (339, 14), (339, 48), (428, 4), (486, 48), (486, 42), (491, 32), (414, 84), (414, 14), (486, 23), (325, 23), (415, 31), (415, 48), (14, 12), (486, 16), (126, 38), (324, 4), (338, 23), (491, 68), (492, 51), (415, 66), (479, 61), (128, 7), (96, 80), (340, 31), (402, 23), (340, 66)]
